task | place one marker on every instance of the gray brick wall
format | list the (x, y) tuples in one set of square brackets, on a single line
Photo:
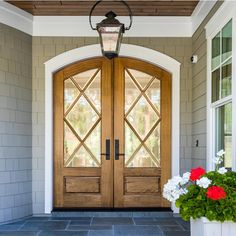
[(15, 124), (199, 85), (45, 48)]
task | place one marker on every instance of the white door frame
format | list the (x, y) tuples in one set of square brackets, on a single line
[(127, 50)]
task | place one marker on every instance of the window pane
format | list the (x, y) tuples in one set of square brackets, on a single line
[(224, 132), (227, 41), (215, 51), (216, 85), (226, 75)]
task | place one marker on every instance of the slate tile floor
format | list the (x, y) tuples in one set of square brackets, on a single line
[(97, 226)]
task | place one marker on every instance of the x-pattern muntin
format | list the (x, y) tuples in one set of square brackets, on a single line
[(82, 140), (142, 141)]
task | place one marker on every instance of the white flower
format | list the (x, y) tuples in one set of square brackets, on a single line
[(176, 179), (220, 153), (217, 160), (222, 170), (173, 189), (185, 178), (204, 182)]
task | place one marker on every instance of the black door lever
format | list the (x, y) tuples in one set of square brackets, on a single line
[(117, 150), (107, 154)]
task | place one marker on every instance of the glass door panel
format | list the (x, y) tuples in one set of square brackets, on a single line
[(82, 119), (142, 119)]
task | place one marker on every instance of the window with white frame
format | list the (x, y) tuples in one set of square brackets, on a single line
[(221, 92)]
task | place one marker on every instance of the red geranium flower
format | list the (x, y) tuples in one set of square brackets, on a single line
[(197, 173), (216, 193)]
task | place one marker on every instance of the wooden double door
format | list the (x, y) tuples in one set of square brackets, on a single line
[(112, 134)]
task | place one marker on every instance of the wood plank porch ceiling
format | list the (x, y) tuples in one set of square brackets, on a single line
[(82, 8)]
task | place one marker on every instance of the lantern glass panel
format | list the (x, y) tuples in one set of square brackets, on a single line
[(110, 37), (109, 41)]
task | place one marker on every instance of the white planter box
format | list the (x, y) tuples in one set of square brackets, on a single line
[(204, 227)]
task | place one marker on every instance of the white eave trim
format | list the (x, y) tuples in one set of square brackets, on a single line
[(200, 13), (78, 26), (142, 26), (221, 17), (16, 18)]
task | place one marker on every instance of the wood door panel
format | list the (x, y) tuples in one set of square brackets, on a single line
[(142, 185), (76, 200), (82, 184), (141, 201)]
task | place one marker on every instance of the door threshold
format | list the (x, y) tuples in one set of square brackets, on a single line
[(127, 212)]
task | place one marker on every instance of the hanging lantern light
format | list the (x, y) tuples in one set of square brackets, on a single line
[(110, 31)]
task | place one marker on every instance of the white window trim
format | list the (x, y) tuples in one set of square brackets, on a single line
[(225, 13), (127, 50)]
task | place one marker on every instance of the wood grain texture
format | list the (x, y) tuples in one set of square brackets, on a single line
[(128, 189), (112, 184), (142, 185), (82, 184), (58, 135), (82, 8), (72, 184), (166, 98), (147, 171)]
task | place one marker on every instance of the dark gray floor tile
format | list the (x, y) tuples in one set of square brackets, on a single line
[(80, 222), (20, 222), (18, 233), (47, 225), (129, 230), (166, 221), (112, 214), (184, 224), (38, 218), (153, 214), (144, 221), (63, 233), (71, 218), (101, 233), (9, 227), (138, 233), (171, 228), (136, 227), (112, 221), (93, 227), (177, 233), (144, 218)]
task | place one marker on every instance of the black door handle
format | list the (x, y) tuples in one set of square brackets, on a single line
[(107, 154), (117, 150)]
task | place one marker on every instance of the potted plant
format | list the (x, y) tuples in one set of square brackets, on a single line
[(208, 200)]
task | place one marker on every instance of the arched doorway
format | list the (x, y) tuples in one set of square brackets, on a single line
[(112, 134)]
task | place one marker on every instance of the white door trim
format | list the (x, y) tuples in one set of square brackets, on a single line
[(127, 50)]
